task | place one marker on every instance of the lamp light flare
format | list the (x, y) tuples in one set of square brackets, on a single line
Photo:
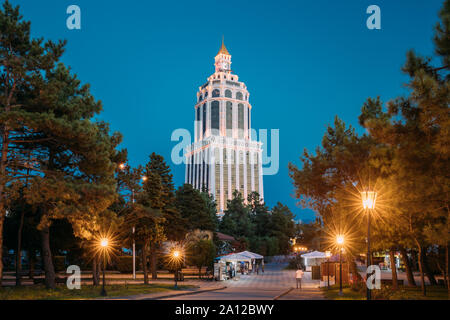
[(327, 254), (340, 239), (104, 242), (122, 166), (144, 178), (368, 199), (176, 253)]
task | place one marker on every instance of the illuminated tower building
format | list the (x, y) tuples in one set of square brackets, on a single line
[(223, 157)]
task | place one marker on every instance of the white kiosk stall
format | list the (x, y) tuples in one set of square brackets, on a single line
[(314, 258)]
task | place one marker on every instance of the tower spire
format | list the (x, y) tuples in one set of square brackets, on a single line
[(223, 49)]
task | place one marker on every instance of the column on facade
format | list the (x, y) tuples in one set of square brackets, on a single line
[(244, 154), (200, 123), (212, 172), (195, 170), (195, 125), (208, 120), (245, 121), (229, 150), (200, 165), (235, 120), (221, 198)]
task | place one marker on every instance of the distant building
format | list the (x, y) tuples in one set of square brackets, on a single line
[(223, 157)]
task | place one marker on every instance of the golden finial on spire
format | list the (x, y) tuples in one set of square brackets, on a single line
[(223, 49)]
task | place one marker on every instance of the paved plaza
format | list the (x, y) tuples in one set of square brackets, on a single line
[(274, 283)]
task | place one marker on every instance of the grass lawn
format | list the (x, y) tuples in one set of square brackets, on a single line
[(39, 292), (385, 293)]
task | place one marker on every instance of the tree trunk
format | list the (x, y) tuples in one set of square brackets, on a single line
[(409, 273), (3, 161), (154, 260), (95, 272), (422, 276), (393, 269), (47, 259), (427, 270), (19, 250), (144, 263)]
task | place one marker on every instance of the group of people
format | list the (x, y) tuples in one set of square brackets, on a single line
[(256, 267)]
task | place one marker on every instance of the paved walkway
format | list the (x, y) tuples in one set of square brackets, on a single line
[(303, 294), (271, 284)]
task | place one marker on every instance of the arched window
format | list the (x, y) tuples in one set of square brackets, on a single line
[(229, 119), (204, 118), (215, 118), (197, 120), (228, 93), (206, 95), (200, 97), (239, 95), (216, 93), (241, 120)]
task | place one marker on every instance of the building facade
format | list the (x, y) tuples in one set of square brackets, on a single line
[(223, 157)]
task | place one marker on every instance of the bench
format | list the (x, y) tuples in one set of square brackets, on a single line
[(204, 273), (58, 280), (389, 282)]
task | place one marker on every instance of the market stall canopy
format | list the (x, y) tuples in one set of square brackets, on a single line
[(234, 257), (314, 255), (251, 255)]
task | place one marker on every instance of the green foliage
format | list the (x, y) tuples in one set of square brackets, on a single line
[(201, 253), (261, 231), (193, 208), (404, 156)]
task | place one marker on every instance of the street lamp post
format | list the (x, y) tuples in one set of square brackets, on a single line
[(328, 255), (340, 242), (134, 255), (104, 245), (176, 257), (368, 200)]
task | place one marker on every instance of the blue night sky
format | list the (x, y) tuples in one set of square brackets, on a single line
[(304, 62)]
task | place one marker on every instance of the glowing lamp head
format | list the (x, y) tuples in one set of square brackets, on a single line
[(144, 178), (104, 242), (340, 240), (327, 254), (122, 166), (176, 253), (368, 199)]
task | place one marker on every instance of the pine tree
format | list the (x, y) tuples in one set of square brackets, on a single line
[(24, 62)]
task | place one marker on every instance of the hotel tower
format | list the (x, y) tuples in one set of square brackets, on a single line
[(223, 157)]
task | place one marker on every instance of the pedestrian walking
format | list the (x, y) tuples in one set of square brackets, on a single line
[(298, 278)]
